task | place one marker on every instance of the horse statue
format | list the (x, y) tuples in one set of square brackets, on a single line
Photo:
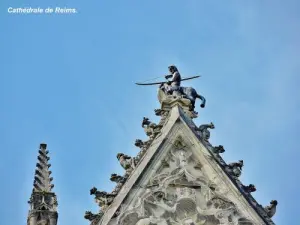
[(173, 88), (186, 92)]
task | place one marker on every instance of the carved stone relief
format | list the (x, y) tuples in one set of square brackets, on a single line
[(180, 194)]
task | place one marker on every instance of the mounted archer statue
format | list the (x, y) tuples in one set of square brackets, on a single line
[(172, 87)]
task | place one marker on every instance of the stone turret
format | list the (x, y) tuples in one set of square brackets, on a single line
[(43, 202)]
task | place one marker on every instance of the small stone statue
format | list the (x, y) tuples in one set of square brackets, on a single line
[(173, 85), (218, 149), (250, 188), (126, 162), (94, 218), (271, 209), (235, 169), (205, 133), (173, 88)]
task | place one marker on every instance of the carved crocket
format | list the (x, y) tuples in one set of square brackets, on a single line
[(271, 209), (218, 149), (250, 188), (94, 218), (117, 178), (205, 133), (139, 143), (103, 198), (151, 129), (120, 180), (235, 169), (127, 163)]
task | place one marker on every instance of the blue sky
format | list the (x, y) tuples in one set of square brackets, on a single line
[(68, 80)]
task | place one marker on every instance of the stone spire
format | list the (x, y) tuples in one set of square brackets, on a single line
[(43, 201)]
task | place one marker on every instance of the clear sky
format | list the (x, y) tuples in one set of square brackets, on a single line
[(68, 80)]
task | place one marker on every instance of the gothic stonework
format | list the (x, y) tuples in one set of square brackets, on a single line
[(181, 194), (177, 178), (43, 201), (179, 181)]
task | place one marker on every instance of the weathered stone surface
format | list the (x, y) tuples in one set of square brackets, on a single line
[(179, 181), (43, 202)]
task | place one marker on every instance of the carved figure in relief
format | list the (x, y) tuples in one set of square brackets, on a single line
[(224, 211), (186, 187), (158, 208), (271, 209), (205, 133)]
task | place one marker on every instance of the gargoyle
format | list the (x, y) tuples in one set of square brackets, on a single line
[(271, 209), (235, 168), (205, 133), (218, 149), (94, 218), (250, 188), (117, 178)]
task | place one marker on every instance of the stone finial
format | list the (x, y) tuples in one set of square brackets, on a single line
[(43, 201), (42, 179)]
